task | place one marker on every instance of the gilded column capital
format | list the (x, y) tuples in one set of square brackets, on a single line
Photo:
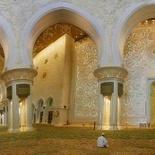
[(18, 74), (110, 72)]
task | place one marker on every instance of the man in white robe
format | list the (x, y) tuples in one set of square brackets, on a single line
[(101, 141)]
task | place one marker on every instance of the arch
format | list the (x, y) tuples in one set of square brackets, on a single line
[(50, 102), (7, 41), (40, 103), (2, 90), (40, 113), (65, 12), (127, 22)]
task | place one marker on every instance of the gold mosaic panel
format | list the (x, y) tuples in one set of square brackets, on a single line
[(86, 97), (139, 59), (54, 32)]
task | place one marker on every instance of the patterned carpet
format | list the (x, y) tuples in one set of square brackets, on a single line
[(51, 146)]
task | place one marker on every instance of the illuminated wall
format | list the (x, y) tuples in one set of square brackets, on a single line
[(86, 85), (139, 61), (53, 66), (73, 86), (49, 64)]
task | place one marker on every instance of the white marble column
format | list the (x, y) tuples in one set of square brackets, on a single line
[(22, 115), (5, 106), (112, 74), (100, 112), (15, 110), (114, 106), (147, 106), (5, 116), (1, 121), (10, 119), (106, 113), (12, 78), (28, 113)]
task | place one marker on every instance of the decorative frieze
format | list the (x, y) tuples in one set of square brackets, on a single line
[(19, 74), (110, 72)]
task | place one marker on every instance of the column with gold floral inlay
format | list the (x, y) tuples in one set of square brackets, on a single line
[(111, 80), (18, 85)]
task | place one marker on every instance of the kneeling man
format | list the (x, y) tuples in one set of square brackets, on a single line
[(101, 141)]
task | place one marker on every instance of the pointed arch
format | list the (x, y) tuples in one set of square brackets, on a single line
[(127, 22), (7, 41), (65, 12), (49, 102), (40, 103)]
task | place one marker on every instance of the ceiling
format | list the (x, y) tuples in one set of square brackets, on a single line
[(51, 34), (54, 32)]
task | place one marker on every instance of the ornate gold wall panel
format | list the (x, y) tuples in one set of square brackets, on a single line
[(139, 59), (54, 32), (86, 87)]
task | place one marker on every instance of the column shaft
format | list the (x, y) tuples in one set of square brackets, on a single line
[(15, 110), (5, 116), (100, 112), (29, 113), (114, 105)]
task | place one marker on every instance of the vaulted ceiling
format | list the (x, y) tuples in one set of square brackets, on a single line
[(54, 32), (51, 34)]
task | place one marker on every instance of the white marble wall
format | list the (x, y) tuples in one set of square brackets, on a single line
[(104, 19), (18, 13)]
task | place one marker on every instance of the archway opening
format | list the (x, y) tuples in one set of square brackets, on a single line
[(40, 112), (65, 58), (49, 110), (138, 59), (95, 42)]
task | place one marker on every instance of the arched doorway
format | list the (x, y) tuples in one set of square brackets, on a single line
[(40, 112), (50, 111)]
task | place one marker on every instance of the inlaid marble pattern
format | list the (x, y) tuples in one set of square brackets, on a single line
[(86, 96), (54, 32), (139, 61)]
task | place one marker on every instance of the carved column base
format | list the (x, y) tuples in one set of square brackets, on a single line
[(111, 87)]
